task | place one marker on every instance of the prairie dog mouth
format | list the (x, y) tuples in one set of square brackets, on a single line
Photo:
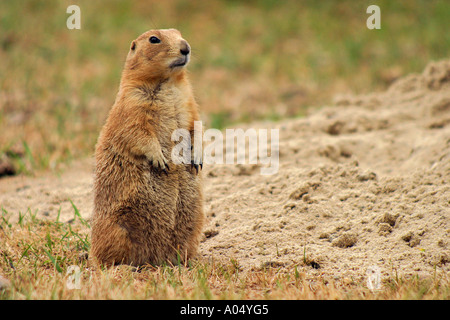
[(180, 62)]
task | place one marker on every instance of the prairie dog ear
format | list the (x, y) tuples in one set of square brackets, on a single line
[(133, 45)]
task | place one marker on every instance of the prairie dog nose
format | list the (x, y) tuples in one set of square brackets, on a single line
[(185, 49)]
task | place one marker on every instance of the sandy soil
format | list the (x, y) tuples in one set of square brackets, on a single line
[(364, 182)]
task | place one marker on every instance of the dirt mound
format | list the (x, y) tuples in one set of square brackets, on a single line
[(365, 182)]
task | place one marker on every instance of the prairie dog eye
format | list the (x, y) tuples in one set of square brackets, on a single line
[(154, 39)]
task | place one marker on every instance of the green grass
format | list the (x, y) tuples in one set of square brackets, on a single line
[(41, 258)]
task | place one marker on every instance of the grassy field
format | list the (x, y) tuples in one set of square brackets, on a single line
[(251, 61), (38, 254)]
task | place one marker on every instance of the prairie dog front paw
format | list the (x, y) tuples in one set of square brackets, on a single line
[(196, 159), (158, 161)]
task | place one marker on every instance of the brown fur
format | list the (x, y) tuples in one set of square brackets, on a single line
[(146, 208)]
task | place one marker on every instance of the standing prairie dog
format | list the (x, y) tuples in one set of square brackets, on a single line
[(148, 209)]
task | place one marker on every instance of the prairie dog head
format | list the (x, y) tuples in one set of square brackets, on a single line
[(157, 54)]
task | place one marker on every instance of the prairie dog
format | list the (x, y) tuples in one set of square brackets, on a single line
[(146, 208)]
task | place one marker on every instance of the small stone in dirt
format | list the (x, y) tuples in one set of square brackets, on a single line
[(408, 236), (272, 264), (441, 243), (289, 205), (345, 240), (440, 259), (384, 229), (411, 239), (324, 235), (304, 189), (211, 233), (365, 176), (299, 192), (335, 128), (388, 218)]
